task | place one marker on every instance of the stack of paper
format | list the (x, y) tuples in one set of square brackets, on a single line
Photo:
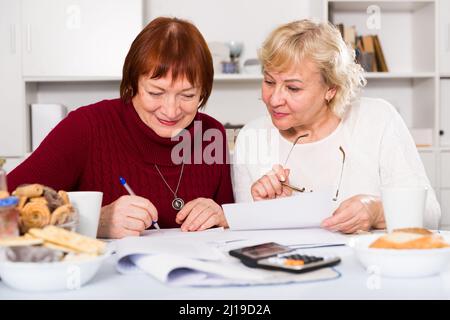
[(180, 271), (201, 258)]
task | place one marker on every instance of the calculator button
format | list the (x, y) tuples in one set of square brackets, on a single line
[(315, 259), (293, 262), (306, 259)]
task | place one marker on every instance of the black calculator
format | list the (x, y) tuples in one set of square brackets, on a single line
[(274, 256)]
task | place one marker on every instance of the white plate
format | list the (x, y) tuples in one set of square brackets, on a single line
[(405, 263), (50, 276)]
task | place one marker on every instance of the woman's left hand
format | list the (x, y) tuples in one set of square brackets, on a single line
[(358, 213), (201, 214)]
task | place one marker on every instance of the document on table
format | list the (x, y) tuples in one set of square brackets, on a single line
[(179, 271), (304, 210), (176, 232), (188, 247), (201, 258)]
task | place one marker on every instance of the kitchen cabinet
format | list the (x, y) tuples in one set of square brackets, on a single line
[(445, 207), (429, 162), (52, 40), (445, 169), (444, 35), (13, 110), (78, 38), (445, 112), (445, 188)]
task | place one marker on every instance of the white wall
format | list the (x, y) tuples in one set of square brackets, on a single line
[(242, 20), (76, 94), (249, 21)]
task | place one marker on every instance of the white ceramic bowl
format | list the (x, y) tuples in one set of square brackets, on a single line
[(50, 276), (404, 263)]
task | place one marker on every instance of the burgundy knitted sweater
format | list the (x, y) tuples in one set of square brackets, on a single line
[(96, 144)]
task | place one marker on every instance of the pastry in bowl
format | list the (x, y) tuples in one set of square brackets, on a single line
[(414, 230), (40, 206), (410, 238), (403, 253), (50, 259)]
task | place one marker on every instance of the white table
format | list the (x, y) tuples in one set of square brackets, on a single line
[(354, 283)]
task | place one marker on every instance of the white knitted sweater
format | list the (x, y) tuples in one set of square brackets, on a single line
[(378, 147)]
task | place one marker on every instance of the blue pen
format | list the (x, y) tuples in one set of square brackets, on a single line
[(131, 192)]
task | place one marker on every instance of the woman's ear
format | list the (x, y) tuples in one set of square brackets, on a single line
[(331, 92)]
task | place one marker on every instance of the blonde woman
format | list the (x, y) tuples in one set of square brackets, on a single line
[(319, 135)]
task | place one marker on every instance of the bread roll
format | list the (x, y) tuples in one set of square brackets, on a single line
[(414, 230), (408, 240)]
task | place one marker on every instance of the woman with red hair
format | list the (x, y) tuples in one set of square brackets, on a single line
[(167, 78)]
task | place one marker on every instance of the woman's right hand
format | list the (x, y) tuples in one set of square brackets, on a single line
[(269, 185), (127, 216)]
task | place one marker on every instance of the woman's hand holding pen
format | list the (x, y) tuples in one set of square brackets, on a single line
[(127, 216), (201, 214), (270, 185)]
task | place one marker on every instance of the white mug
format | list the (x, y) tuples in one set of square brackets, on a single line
[(404, 207), (88, 204)]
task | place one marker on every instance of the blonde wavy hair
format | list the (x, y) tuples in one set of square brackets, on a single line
[(322, 43)]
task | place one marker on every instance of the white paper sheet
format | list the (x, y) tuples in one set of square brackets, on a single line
[(176, 232), (290, 237), (202, 259), (304, 210), (177, 271), (188, 248)]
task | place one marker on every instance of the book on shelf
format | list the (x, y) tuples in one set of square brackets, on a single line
[(348, 34), (369, 48), (359, 44), (340, 27), (369, 52), (379, 55)]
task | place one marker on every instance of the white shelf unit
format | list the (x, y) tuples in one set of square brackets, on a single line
[(415, 37), (444, 103), (388, 5), (368, 75), (238, 77), (399, 75), (44, 79), (406, 30), (217, 77)]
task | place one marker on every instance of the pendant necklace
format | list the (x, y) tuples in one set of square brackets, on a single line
[(177, 203)]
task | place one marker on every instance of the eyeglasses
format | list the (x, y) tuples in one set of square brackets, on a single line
[(340, 176), (294, 188)]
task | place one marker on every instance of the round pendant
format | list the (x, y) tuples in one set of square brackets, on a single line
[(177, 204)]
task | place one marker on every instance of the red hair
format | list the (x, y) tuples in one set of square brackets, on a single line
[(168, 45)]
